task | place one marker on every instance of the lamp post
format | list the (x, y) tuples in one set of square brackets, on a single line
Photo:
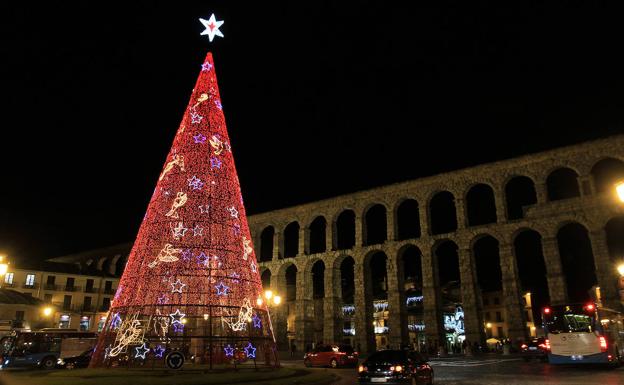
[(619, 190), (272, 299)]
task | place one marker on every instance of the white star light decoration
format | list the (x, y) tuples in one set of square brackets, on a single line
[(212, 27)]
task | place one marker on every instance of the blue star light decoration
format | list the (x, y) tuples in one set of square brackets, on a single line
[(141, 351), (186, 255), (195, 183), (178, 327), (207, 66), (218, 104), (162, 300), (196, 118), (158, 351), (202, 259), (215, 162), (199, 138), (250, 351), (257, 322), (229, 351), (116, 321), (177, 316), (222, 289)]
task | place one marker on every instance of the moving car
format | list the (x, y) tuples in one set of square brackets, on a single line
[(79, 361), (395, 367), (331, 355), (535, 348)]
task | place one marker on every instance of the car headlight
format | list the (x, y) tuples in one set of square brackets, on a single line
[(60, 361)]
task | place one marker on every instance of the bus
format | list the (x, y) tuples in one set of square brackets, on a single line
[(583, 334), (43, 348)]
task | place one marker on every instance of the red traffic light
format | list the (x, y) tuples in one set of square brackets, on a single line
[(590, 307), (546, 310)]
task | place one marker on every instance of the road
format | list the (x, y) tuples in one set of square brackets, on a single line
[(496, 371)]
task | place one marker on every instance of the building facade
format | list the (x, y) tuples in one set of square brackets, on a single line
[(548, 220), (78, 289)]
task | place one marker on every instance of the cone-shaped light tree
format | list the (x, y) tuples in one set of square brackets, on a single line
[(191, 283)]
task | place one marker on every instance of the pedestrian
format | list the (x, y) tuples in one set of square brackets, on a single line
[(293, 349)]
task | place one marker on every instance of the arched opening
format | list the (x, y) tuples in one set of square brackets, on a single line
[(446, 260), (615, 238), (606, 173), (318, 293), (577, 261), (291, 283), (347, 290), (376, 225), (408, 221), (317, 235), (519, 192), (379, 285), (487, 263), (266, 244), (443, 215), (562, 184), (345, 230), (265, 277), (411, 260), (412, 267), (291, 240), (318, 280), (480, 205), (532, 271)]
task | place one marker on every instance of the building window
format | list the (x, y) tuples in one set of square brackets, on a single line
[(105, 304), (487, 315), (19, 315), (47, 298), (30, 280), (89, 286), (50, 283), (499, 330), (8, 278), (496, 301), (499, 317), (108, 287), (86, 304), (67, 302), (69, 286)]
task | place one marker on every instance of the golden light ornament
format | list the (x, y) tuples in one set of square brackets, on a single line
[(268, 294), (259, 301), (277, 300)]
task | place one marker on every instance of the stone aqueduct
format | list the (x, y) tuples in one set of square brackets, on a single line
[(571, 185)]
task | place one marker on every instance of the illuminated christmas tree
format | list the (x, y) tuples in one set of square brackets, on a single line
[(191, 284)]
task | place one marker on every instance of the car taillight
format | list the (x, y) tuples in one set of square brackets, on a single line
[(603, 343), (543, 346), (361, 368), (524, 346), (546, 310), (397, 368), (547, 344)]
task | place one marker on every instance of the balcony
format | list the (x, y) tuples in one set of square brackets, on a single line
[(8, 285), (72, 288), (50, 286), (104, 308), (109, 291), (91, 289), (27, 286), (88, 308)]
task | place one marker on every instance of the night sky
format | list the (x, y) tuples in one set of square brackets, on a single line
[(321, 98)]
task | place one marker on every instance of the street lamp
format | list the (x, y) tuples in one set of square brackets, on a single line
[(620, 269), (619, 189), (271, 298), (4, 267), (47, 311)]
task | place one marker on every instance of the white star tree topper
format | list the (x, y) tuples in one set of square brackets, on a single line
[(212, 27)]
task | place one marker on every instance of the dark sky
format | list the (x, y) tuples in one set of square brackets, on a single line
[(321, 98)]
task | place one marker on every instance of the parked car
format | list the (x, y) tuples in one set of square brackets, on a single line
[(395, 367), (535, 348), (79, 361), (331, 355)]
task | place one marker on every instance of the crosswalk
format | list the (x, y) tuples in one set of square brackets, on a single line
[(468, 363)]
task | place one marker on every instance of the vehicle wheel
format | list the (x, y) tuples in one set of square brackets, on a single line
[(333, 363), (48, 363), (307, 363), (69, 366)]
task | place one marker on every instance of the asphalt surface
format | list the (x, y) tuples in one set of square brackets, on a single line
[(502, 371)]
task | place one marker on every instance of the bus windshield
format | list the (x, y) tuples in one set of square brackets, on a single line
[(570, 319)]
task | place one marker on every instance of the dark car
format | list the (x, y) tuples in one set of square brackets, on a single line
[(80, 361), (535, 348), (395, 367), (331, 355)]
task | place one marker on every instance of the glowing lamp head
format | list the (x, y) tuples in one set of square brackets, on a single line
[(277, 300), (4, 267), (206, 317), (620, 269), (619, 189), (488, 325), (259, 301), (47, 311), (268, 294)]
